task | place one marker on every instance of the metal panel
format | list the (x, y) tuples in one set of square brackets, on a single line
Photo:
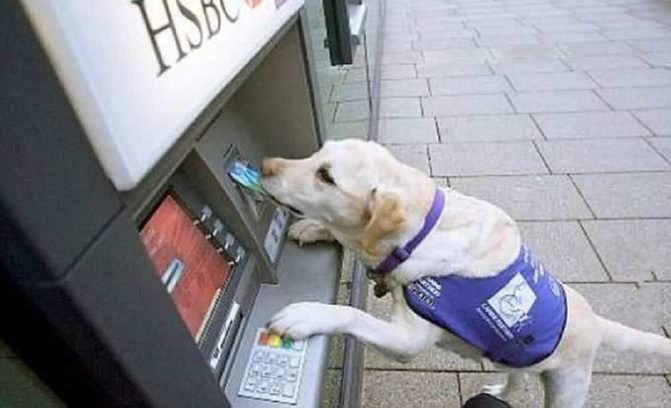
[(307, 274), (119, 299), (52, 188)]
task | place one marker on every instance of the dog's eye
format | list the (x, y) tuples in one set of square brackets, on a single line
[(324, 174)]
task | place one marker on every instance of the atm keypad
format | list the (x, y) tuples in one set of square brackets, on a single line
[(274, 368)]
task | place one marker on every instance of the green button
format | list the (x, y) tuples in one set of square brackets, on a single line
[(287, 343)]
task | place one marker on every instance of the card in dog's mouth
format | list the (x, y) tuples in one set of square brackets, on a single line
[(246, 176), (249, 178)]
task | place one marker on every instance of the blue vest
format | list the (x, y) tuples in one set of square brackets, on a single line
[(515, 318)]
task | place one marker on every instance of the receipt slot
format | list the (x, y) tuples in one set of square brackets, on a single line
[(135, 269)]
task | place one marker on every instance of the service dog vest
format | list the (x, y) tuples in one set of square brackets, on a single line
[(515, 318)]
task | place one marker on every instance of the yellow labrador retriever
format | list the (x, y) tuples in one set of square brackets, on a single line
[(357, 193)]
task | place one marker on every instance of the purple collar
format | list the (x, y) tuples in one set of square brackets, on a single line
[(401, 254)]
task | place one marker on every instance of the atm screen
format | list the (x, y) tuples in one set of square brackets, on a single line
[(191, 269)]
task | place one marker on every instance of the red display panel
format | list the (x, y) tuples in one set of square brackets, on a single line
[(189, 266)]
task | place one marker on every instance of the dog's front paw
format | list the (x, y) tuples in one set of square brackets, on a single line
[(301, 320), (307, 231)]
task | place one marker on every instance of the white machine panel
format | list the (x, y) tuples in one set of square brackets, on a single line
[(138, 72)]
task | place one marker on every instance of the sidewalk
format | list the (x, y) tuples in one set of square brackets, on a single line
[(556, 111)]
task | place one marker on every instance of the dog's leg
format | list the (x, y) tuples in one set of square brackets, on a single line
[(566, 387), (514, 380), (403, 337), (308, 231)]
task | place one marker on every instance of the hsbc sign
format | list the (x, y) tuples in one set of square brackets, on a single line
[(138, 72)]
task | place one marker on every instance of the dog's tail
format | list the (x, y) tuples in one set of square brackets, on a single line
[(623, 338)]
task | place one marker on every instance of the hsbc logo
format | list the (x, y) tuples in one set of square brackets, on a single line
[(177, 28)]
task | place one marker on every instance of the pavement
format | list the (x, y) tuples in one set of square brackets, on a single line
[(559, 112)]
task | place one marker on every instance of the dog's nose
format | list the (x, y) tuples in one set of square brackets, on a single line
[(270, 167)]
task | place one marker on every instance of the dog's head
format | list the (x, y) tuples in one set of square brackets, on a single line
[(356, 188)]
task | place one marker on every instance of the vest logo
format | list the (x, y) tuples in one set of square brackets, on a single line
[(513, 302), (426, 290)]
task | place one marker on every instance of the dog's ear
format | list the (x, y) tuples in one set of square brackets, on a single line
[(386, 215)]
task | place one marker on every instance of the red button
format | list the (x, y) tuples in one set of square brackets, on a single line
[(263, 338)]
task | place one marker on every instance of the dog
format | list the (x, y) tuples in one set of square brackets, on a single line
[(356, 193)]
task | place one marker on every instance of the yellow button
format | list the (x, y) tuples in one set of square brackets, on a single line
[(274, 340)]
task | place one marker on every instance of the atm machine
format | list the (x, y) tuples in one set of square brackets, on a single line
[(134, 270)]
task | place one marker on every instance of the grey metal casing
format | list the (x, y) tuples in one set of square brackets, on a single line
[(71, 251)]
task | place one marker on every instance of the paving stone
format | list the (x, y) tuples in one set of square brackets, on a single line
[(595, 48), (623, 78), (484, 17), (404, 88), (570, 37), (506, 39), (508, 30), (468, 85), (437, 45), (415, 130), (564, 249), (663, 146), (489, 158), (530, 396), (566, 27), (444, 35), (629, 391), (658, 59), (589, 125), (530, 65), (408, 57), (400, 107), (433, 359), (358, 75), (399, 45), (605, 62), (413, 155), (551, 197), (452, 70), (637, 98), (397, 72), (349, 92), (600, 155), (463, 56), (529, 52), (398, 389), (658, 44), (558, 101), (627, 195), (487, 128), (352, 111), (659, 292), (551, 81), (657, 120), (633, 250), (637, 33), (466, 105), (347, 130)]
